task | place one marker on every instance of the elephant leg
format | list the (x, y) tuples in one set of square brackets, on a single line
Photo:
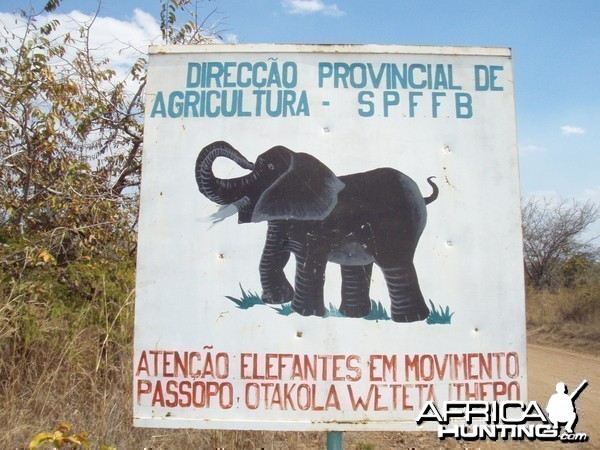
[(356, 281), (310, 278), (407, 300), (276, 287)]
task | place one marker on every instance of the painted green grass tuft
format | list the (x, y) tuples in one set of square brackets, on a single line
[(378, 312), (442, 317), (333, 311), (247, 300), (284, 309)]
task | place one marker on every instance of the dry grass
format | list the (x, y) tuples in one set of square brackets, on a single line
[(85, 380), (566, 318), (578, 305)]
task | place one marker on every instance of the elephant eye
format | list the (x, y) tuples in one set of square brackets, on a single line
[(271, 166)]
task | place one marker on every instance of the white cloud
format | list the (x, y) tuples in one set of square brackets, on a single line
[(552, 196), (311, 7), (531, 148), (592, 193), (121, 41), (230, 38), (568, 130), (549, 195)]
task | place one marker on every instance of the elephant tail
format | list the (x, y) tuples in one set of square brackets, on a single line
[(434, 194)]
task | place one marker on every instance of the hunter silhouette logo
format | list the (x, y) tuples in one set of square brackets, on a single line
[(561, 406), (516, 420)]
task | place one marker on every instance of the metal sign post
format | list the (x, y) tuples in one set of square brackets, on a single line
[(334, 440)]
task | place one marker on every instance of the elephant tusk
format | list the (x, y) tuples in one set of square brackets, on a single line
[(225, 211)]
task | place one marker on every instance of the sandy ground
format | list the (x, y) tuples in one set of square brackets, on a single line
[(547, 366)]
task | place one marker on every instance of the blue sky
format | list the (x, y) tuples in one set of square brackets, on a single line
[(556, 57)]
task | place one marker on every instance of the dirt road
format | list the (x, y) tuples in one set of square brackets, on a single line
[(548, 366)]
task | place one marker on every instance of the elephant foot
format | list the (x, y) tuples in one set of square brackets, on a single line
[(411, 315), (282, 294), (305, 310), (407, 300), (360, 310)]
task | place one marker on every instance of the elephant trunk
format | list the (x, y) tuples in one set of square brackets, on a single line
[(222, 192)]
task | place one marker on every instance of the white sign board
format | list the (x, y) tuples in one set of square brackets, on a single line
[(298, 267)]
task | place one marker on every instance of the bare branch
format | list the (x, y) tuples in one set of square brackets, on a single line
[(552, 234)]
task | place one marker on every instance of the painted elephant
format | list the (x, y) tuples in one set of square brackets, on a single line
[(352, 220)]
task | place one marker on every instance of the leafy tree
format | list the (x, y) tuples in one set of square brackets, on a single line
[(191, 32), (71, 137), (70, 142), (553, 249)]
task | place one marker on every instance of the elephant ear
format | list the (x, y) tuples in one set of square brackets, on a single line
[(308, 190)]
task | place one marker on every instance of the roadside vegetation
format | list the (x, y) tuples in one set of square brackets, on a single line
[(70, 147), (562, 272)]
